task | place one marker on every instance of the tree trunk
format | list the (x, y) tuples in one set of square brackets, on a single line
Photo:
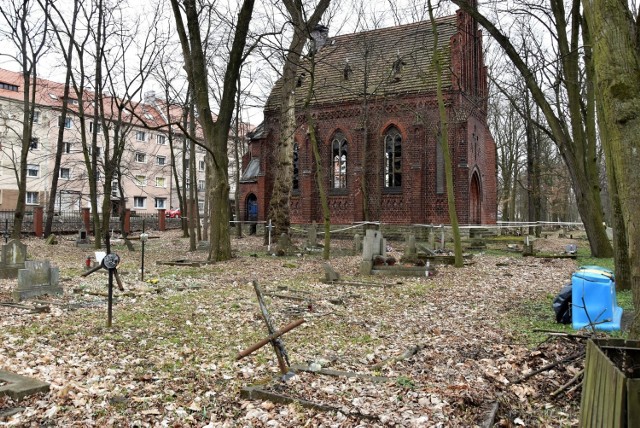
[(283, 166), (616, 61), (444, 143)]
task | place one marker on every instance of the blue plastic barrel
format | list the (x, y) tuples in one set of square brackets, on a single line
[(593, 296)]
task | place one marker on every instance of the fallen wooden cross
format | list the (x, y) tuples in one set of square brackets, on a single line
[(274, 336)]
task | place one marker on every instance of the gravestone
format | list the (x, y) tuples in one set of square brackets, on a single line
[(410, 250), (312, 235), (82, 240), (36, 279), (14, 254), (374, 245), (357, 243), (330, 275), (204, 246), (432, 239)]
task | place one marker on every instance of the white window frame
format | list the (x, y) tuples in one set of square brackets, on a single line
[(141, 136), (68, 177), (142, 199), (67, 147), (141, 157), (141, 180), (33, 167), (161, 139), (68, 122), (164, 182), (36, 116), (164, 160), (201, 165), (164, 203), (201, 185), (34, 144), (91, 127), (29, 198)]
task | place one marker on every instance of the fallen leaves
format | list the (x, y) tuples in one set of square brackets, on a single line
[(444, 343)]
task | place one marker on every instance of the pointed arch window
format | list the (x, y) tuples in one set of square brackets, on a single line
[(393, 159), (296, 177), (339, 161)]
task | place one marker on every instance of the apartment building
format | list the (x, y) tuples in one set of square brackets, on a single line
[(144, 181)]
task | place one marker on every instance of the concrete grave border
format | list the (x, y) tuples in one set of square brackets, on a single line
[(18, 386)]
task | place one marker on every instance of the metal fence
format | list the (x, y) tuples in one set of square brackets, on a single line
[(68, 222)]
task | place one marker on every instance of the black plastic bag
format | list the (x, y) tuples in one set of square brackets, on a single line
[(562, 305)]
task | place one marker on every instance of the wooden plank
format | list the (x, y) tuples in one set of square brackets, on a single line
[(596, 420), (587, 388), (620, 400), (633, 402), (608, 397)]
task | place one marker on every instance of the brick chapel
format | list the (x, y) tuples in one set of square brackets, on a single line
[(377, 124)]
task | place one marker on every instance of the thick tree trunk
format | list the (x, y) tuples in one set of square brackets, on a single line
[(616, 61), (283, 156)]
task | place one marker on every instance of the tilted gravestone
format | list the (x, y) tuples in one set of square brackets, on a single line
[(36, 279), (14, 254)]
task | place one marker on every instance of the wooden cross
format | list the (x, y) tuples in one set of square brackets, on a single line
[(274, 336)]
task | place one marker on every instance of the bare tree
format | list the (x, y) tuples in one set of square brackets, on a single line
[(26, 28), (216, 133)]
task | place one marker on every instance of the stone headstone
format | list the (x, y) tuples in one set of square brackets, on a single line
[(51, 240), (204, 245), (14, 254), (410, 249), (312, 235), (374, 245), (330, 275), (36, 279), (432, 239), (357, 243), (82, 240)]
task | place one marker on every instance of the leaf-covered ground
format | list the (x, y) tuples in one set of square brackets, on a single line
[(169, 359)]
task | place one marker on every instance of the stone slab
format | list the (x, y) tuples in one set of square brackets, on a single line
[(18, 387)]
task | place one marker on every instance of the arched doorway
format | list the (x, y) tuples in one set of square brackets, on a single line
[(251, 212), (475, 212)]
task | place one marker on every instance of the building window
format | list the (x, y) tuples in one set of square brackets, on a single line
[(8, 87), (139, 202), (32, 198), (201, 165), (393, 159), (68, 123), (33, 170), (161, 160), (161, 203), (141, 136), (35, 143), (296, 182), (141, 180), (91, 125), (66, 147), (161, 139), (201, 185), (339, 162), (440, 178), (141, 157), (65, 173), (36, 117), (161, 182), (98, 151)]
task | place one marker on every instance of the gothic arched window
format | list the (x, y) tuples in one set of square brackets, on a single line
[(393, 159), (296, 182), (339, 162)]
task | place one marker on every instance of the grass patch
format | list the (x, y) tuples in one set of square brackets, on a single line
[(535, 315)]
